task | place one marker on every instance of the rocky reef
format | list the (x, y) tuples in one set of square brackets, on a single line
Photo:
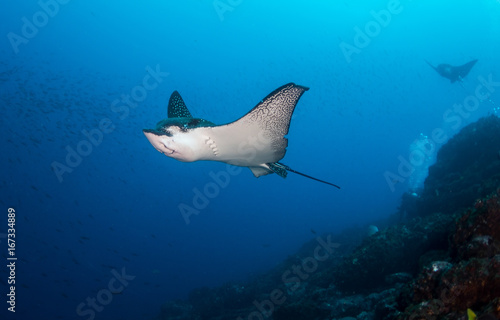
[(468, 276), (443, 259), (467, 168), (397, 249)]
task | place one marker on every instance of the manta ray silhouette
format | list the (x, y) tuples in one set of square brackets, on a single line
[(454, 73), (256, 140)]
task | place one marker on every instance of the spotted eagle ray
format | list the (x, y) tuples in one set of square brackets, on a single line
[(454, 73), (256, 140)]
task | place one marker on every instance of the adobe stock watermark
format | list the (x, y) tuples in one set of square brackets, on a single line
[(452, 116), (292, 279), (222, 7), (364, 36), (247, 151), (104, 297), (30, 28), (94, 137)]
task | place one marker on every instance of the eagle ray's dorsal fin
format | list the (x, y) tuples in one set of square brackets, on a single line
[(176, 107)]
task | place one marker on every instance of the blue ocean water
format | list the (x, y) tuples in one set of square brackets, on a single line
[(99, 232)]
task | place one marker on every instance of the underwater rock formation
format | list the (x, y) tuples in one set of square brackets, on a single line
[(394, 250), (467, 168), (471, 279)]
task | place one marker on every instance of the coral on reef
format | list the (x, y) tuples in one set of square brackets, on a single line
[(478, 230), (472, 279)]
